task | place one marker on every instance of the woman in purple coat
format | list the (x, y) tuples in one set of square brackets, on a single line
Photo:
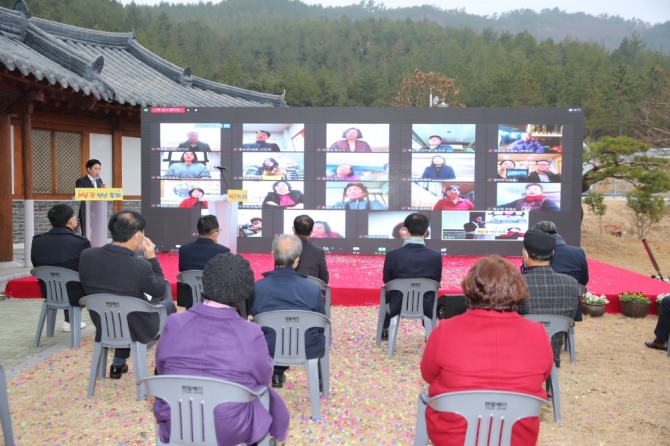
[(212, 340)]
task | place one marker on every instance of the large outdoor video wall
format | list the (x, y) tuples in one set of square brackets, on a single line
[(482, 176)]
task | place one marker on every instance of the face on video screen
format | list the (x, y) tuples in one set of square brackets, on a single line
[(481, 176)]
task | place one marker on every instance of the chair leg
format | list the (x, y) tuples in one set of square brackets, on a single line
[(139, 354), (555, 394), (51, 321), (5, 414), (75, 325), (40, 324), (393, 333), (324, 364), (312, 369), (380, 323), (421, 430), (98, 353), (571, 343), (428, 325)]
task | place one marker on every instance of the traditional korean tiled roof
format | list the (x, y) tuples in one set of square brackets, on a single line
[(112, 67)]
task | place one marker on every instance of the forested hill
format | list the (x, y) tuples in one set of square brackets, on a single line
[(359, 55), (548, 24)]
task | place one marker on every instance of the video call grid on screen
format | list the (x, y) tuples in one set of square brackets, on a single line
[(358, 170)]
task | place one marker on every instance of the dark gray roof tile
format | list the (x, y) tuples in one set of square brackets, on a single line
[(112, 67)]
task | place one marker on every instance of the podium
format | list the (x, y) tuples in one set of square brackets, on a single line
[(226, 212), (94, 203)]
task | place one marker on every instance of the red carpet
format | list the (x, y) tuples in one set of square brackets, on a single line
[(355, 280)]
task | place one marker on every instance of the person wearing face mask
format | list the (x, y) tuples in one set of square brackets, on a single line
[(534, 200), (188, 167), (355, 197), (116, 269)]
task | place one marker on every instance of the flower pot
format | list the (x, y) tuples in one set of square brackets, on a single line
[(635, 309), (593, 310)]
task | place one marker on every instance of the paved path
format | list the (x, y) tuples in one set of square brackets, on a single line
[(18, 325)]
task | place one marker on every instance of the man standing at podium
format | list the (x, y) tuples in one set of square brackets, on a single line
[(90, 180)]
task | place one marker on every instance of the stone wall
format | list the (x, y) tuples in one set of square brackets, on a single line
[(42, 222)]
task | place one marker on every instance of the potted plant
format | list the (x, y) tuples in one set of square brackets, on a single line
[(594, 305), (634, 304)]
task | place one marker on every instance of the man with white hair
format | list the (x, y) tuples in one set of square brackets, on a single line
[(285, 289)]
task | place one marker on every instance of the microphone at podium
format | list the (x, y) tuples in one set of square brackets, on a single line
[(223, 177)]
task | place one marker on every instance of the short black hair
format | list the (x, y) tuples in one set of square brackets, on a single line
[(207, 224), (60, 214), (303, 225), (92, 162), (546, 226), (125, 224), (416, 224)]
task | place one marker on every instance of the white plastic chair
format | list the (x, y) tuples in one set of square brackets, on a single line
[(55, 280), (5, 414), (553, 324), (412, 307), (290, 327), (113, 331), (490, 414), (325, 292), (192, 401)]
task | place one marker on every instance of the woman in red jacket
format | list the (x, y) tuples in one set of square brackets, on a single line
[(489, 347)]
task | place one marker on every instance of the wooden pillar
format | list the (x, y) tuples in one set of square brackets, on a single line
[(6, 233), (117, 161)]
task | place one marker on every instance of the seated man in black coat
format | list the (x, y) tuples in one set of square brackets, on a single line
[(61, 247), (116, 269), (413, 260), (196, 254), (313, 258)]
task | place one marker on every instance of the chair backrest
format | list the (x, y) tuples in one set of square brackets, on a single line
[(113, 311), (490, 414), (192, 400), (553, 323), (290, 327), (193, 278), (325, 292), (55, 280), (413, 291)]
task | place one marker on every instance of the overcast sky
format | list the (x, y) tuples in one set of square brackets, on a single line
[(652, 11)]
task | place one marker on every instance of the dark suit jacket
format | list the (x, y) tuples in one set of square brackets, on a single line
[(117, 270), (312, 261), (570, 260), (195, 255), (411, 261), (60, 247), (533, 177), (85, 181), (285, 289)]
